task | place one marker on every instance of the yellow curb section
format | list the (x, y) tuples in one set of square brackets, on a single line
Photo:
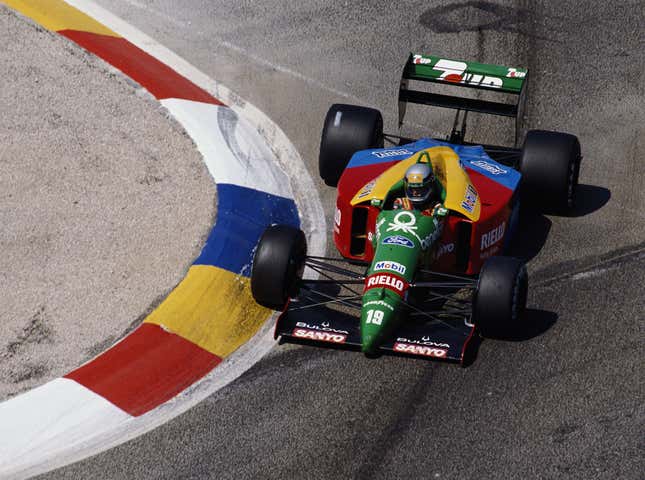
[(212, 308), (56, 15)]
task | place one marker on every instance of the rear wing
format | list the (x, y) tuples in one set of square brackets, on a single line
[(497, 78)]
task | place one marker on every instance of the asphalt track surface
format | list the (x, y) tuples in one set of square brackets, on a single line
[(562, 401)]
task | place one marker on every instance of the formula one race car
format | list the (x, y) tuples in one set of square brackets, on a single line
[(424, 281)]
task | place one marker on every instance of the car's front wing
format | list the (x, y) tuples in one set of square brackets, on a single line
[(438, 339)]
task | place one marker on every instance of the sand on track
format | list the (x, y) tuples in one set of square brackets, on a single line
[(104, 203)]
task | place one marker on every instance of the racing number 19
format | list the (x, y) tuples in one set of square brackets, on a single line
[(374, 316)]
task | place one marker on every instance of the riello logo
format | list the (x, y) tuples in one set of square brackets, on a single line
[(493, 236), (385, 280)]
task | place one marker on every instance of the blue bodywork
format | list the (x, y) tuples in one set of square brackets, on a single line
[(473, 157)]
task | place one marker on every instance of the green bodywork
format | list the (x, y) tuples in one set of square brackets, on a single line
[(437, 69), (403, 240)]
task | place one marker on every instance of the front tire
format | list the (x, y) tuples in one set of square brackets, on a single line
[(278, 264), (550, 165), (347, 129), (500, 298)]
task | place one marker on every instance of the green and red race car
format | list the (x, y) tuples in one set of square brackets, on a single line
[(412, 281)]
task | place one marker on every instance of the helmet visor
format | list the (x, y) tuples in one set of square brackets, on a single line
[(418, 193)]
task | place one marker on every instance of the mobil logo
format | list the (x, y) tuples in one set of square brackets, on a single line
[(389, 265)]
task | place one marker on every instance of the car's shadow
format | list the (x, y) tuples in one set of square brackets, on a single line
[(589, 198), (534, 323), (530, 236), (533, 228)]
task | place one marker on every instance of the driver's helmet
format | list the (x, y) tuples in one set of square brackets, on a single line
[(419, 183)]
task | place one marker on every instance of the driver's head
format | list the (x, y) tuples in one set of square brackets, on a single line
[(419, 183)]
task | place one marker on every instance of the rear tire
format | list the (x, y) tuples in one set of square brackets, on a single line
[(550, 165), (500, 298), (278, 264), (347, 129)]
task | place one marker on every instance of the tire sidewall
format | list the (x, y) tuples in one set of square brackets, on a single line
[(346, 130), (278, 264), (550, 166), (500, 297)]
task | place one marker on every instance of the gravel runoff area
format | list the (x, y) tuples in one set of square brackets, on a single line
[(104, 203)]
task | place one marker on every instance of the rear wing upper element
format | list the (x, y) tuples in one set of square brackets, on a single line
[(428, 68)]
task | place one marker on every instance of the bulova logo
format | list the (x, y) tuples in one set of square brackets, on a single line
[(319, 336), (492, 237), (420, 350), (424, 341), (323, 328), (388, 281)]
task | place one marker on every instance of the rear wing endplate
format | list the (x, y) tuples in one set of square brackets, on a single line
[(497, 78)]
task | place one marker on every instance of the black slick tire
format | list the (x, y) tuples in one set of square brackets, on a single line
[(347, 129), (277, 265), (550, 165), (500, 298)]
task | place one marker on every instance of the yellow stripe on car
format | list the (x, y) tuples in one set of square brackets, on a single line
[(461, 195)]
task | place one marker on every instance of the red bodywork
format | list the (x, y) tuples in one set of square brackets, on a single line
[(463, 246)]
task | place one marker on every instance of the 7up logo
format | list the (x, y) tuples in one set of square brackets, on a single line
[(453, 71)]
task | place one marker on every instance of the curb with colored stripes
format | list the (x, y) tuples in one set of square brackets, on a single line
[(209, 329)]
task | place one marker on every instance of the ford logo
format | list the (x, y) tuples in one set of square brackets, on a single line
[(398, 240)]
